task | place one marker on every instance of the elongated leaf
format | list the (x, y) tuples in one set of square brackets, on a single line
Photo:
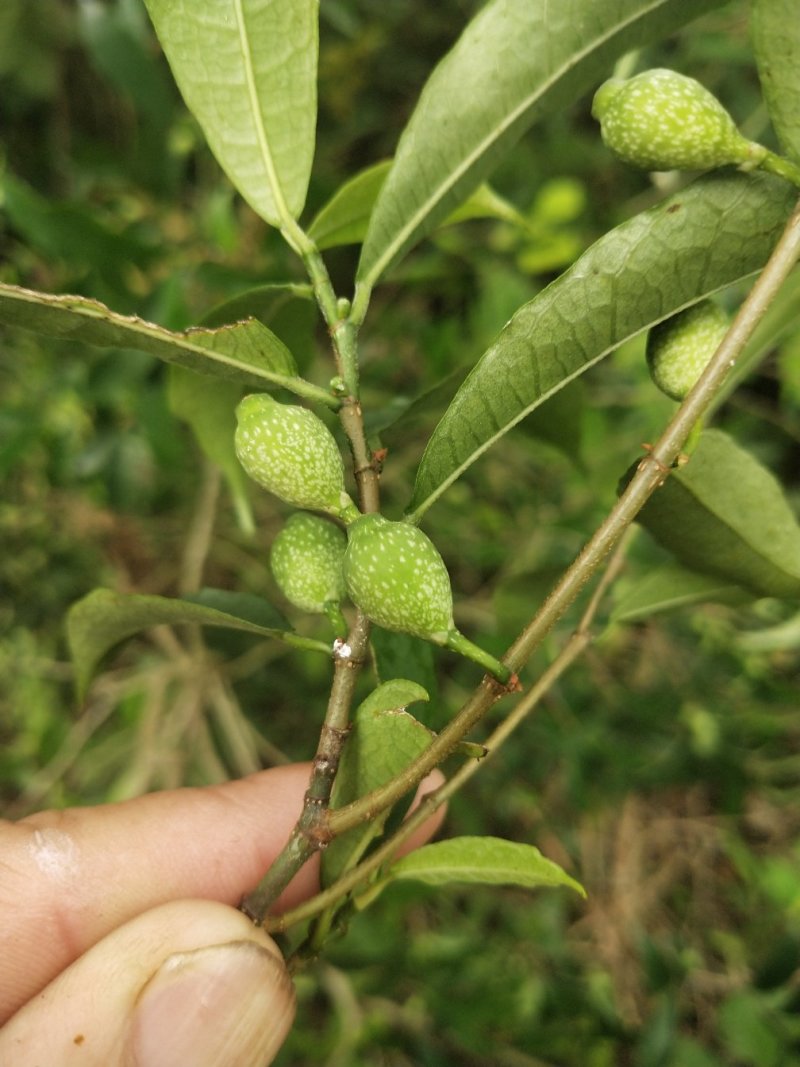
[(247, 70), (245, 351), (208, 406), (720, 229), (776, 38), (345, 218), (384, 740), (103, 618), (724, 514), (670, 588), (482, 860), (515, 62)]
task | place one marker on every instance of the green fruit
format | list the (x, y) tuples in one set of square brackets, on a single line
[(396, 577), (660, 120), (678, 349), (306, 563), (290, 452)]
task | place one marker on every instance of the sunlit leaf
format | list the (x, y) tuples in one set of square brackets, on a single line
[(720, 229), (776, 39), (515, 62), (247, 71), (103, 618), (484, 861), (724, 514)]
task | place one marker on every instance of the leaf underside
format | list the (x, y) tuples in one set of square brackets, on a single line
[(516, 61), (245, 351), (776, 41), (717, 231), (103, 618), (247, 70), (724, 514)]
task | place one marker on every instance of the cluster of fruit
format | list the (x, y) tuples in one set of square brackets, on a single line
[(390, 570)]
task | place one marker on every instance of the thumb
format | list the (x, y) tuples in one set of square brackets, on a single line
[(189, 982)]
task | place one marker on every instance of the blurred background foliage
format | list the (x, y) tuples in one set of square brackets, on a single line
[(664, 771)]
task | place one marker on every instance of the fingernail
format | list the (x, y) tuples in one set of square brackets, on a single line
[(222, 1006)]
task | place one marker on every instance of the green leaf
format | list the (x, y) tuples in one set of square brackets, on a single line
[(99, 621), (209, 406), (672, 587), (247, 71), (245, 351), (264, 302), (392, 696), (343, 220), (404, 656), (516, 61), (776, 40), (383, 742), (717, 231), (484, 861), (724, 514)]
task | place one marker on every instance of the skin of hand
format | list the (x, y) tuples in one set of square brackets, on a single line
[(121, 942)]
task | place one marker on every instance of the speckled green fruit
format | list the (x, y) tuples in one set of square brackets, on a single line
[(661, 120), (290, 452), (678, 349), (306, 563), (394, 574)]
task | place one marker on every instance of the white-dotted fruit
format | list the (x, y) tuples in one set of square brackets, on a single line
[(662, 120), (395, 575), (678, 349), (293, 454), (306, 562)]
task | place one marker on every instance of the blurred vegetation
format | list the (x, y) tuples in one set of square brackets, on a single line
[(663, 771)]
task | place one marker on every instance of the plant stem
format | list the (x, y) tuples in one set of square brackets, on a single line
[(781, 166), (304, 839)]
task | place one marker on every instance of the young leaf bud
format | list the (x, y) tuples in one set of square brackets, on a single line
[(306, 563), (661, 120), (290, 452), (395, 575), (678, 349)]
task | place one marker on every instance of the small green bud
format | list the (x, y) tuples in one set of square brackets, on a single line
[(290, 452), (394, 574), (661, 120), (679, 349), (306, 563)]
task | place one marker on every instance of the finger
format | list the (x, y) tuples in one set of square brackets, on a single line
[(69, 878), (190, 982)]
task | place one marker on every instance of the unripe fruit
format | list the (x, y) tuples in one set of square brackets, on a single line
[(396, 577), (290, 452), (306, 563), (661, 120), (678, 349)]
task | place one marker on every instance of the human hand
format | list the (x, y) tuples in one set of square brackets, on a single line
[(121, 942)]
